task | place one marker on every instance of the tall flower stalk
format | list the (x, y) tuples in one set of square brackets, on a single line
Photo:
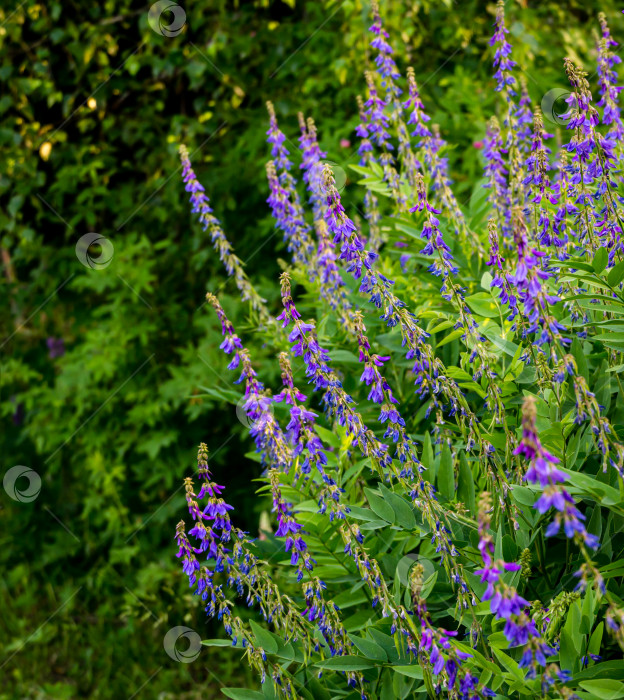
[(232, 264)]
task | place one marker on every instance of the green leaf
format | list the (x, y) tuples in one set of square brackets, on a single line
[(348, 599), (387, 690), (595, 522), (446, 474), (385, 641), (465, 484), (573, 447), (377, 169), (602, 308), (264, 638), (615, 568), (479, 204), (317, 691), (581, 361), (374, 525), (587, 279), (242, 694), (361, 513), (610, 669), (619, 337), (510, 549), (217, 643), (616, 274), (497, 640), (268, 689), (594, 642), (604, 688), (371, 650), (575, 264), (379, 506), (361, 170), (483, 304), (346, 663), (574, 628), (450, 337), (493, 334), (414, 671), (567, 653), (600, 260), (478, 656), (440, 326), (292, 651), (358, 620), (590, 486), (344, 356), (409, 229), (402, 509), (509, 663), (327, 436), (498, 542)]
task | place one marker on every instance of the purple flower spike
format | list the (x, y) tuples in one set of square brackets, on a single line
[(542, 471)]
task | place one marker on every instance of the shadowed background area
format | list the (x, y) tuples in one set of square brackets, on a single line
[(104, 368)]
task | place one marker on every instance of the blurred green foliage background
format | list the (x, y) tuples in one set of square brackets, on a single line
[(94, 104)]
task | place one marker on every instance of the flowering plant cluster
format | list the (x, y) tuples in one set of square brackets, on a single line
[(444, 457)]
